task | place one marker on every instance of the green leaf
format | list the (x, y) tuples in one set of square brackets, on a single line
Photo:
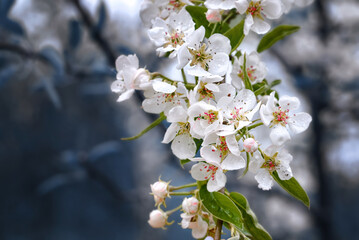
[(247, 82), (275, 35), (198, 15), (152, 125), (235, 35), (275, 83), (260, 90), (293, 188), (221, 206), (250, 219)]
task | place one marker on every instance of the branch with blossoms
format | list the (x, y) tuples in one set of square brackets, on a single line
[(222, 97)]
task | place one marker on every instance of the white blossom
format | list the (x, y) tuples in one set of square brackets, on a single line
[(129, 77), (196, 223), (150, 9), (204, 57), (255, 68), (278, 115), (168, 35), (256, 11), (183, 145), (164, 97), (204, 118), (274, 160), (220, 4), (238, 111)]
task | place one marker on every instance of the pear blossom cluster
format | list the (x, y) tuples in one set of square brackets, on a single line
[(212, 115)]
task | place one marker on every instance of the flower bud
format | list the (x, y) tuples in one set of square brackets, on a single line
[(213, 16), (209, 238), (250, 145), (141, 80), (158, 219), (190, 205), (160, 189)]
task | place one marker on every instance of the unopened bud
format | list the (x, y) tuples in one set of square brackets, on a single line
[(160, 189), (250, 145), (213, 16), (158, 219), (190, 205)]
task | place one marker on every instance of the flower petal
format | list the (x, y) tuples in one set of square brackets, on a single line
[(183, 146), (232, 162), (264, 179), (279, 135), (218, 182), (199, 171), (289, 103), (163, 87), (299, 122), (171, 133)]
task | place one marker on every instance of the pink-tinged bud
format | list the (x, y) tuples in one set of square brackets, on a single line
[(190, 205), (157, 219), (213, 16), (250, 145), (160, 189)]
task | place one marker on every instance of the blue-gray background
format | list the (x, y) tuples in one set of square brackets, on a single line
[(65, 174)]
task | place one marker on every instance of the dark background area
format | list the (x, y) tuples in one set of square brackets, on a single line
[(65, 173)]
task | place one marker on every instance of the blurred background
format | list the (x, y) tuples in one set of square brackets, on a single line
[(65, 173)]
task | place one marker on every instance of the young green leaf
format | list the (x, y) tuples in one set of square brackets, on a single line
[(184, 161), (152, 125), (221, 206), (293, 188), (275, 35), (235, 35), (198, 15), (250, 219)]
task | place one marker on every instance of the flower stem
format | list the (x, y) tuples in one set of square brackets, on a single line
[(184, 76), (196, 78), (214, 28), (181, 193), (218, 233), (173, 210), (172, 188), (157, 74), (255, 125)]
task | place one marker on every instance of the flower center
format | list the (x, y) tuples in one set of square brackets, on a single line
[(177, 4), (222, 147), (254, 9), (200, 57), (271, 162), (250, 72), (184, 128), (280, 116), (210, 116), (169, 97), (211, 169), (204, 92), (174, 39)]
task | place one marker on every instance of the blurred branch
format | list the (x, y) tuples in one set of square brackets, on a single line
[(95, 33), (22, 51)]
